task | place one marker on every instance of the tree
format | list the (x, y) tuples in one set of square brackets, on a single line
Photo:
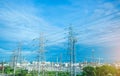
[(89, 71), (106, 70), (8, 70)]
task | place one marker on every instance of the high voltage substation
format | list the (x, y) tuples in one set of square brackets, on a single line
[(40, 64), (17, 54)]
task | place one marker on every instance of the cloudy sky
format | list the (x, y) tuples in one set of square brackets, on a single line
[(96, 22)]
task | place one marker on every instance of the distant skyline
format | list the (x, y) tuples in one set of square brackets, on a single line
[(96, 22)]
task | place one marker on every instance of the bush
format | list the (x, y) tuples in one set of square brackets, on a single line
[(104, 70)]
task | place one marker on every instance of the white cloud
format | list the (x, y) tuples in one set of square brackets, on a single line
[(4, 51), (22, 25), (102, 9), (10, 52)]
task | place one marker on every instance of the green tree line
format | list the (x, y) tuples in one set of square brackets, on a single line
[(104, 70)]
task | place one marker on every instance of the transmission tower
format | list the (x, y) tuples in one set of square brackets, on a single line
[(60, 62), (99, 60), (14, 61), (41, 55), (16, 57), (71, 48), (19, 49), (57, 67)]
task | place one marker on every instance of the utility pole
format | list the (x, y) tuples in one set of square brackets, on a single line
[(3, 67), (57, 66), (93, 57), (38, 64), (71, 47), (85, 61), (60, 65), (99, 60), (61, 62)]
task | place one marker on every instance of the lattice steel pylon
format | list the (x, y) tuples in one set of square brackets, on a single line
[(14, 61), (19, 54), (71, 47), (41, 55)]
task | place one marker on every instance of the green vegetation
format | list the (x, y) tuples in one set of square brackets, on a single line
[(104, 70), (89, 71), (20, 72), (8, 70)]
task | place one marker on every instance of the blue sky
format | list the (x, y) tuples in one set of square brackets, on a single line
[(97, 23)]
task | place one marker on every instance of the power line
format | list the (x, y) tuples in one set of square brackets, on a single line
[(55, 33), (100, 18)]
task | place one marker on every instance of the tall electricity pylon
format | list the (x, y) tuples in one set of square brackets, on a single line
[(71, 47), (16, 58), (41, 55), (19, 49), (14, 61)]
